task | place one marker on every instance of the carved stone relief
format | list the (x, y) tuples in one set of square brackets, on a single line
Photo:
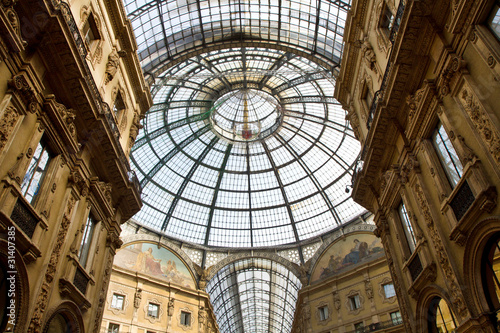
[(49, 276), (453, 284), (481, 122), (7, 123)]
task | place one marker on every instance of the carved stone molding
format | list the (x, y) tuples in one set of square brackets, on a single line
[(448, 78), (13, 30), (481, 121), (103, 292), (48, 278), (7, 123), (24, 91), (451, 279)]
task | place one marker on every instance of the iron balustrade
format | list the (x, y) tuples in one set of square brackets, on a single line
[(24, 218), (378, 326)]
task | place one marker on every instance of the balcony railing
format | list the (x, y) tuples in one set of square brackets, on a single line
[(102, 106), (378, 326), (379, 94)]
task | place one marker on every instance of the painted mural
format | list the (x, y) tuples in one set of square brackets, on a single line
[(346, 254), (159, 262)]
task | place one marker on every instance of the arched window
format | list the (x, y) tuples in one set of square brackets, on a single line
[(441, 318), (491, 277)]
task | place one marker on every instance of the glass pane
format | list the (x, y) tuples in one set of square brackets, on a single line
[(36, 170), (448, 156), (389, 290), (494, 20), (86, 241), (407, 227)]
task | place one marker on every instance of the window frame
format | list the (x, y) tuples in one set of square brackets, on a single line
[(385, 291), (386, 22), (90, 32), (183, 316), (453, 168), (150, 312), (32, 171), (408, 229), (113, 328), (354, 302), (490, 20), (323, 313), (113, 300), (87, 240), (396, 319)]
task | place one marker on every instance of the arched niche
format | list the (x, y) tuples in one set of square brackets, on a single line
[(480, 255), (65, 318)]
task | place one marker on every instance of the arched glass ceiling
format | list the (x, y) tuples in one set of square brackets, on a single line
[(167, 30), (287, 186), (254, 295)]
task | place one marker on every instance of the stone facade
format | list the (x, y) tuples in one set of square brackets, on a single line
[(429, 169), (63, 158)]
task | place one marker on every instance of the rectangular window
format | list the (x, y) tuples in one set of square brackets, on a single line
[(494, 20), (113, 328), (90, 31), (323, 313), (36, 171), (386, 20), (447, 155), (185, 318), (408, 229), (354, 302), (118, 106), (396, 318), (88, 233), (153, 310), (359, 327), (389, 290), (117, 301)]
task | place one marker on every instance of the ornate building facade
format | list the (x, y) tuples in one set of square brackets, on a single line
[(72, 94), (419, 80)]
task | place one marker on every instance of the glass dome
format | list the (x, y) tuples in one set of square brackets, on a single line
[(208, 182), (246, 115)]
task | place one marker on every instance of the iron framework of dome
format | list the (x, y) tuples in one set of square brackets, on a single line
[(245, 145)]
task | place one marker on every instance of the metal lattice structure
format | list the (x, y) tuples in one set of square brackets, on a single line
[(254, 295), (245, 146)]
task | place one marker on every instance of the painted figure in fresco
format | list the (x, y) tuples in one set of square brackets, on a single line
[(358, 252), (147, 263)]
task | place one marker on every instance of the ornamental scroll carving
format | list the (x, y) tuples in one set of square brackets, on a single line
[(24, 91), (43, 297), (7, 123), (481, 122), (68, 116), (103, 292), (15, 24), (456, 295)]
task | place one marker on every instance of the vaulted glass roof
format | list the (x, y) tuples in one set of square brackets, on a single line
[(254, 295), (205, 181), (168, 30), (245, 145)]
